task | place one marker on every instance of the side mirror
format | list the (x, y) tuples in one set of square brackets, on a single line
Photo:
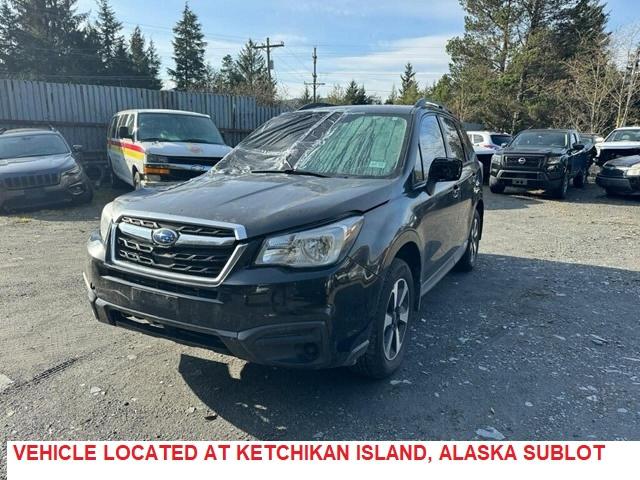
[(77, 148), (445, 170), (578, 146), (123, 132), (504, 144)]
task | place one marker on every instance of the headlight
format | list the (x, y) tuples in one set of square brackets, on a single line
[(312, 248), (73, 171), (496, 159), (634, 170), (105, 221), (554, 160), (151, 158)]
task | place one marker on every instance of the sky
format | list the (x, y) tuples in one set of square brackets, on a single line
[(368, 41)]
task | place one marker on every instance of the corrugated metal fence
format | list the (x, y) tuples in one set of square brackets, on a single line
[(82, 112)]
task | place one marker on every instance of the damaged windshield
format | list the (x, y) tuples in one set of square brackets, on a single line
[(322, 143)]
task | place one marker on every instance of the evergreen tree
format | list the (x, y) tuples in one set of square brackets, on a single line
[(392, 99), (356, 95), (409, 92), (45, 39), (229, 77), (108, 29), (188, 52), (145, 61)]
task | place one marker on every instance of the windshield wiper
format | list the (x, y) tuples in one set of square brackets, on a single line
[(150, 139), (290, 171)]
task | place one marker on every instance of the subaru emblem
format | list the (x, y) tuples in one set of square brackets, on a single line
[(164, 236), (522, 160)]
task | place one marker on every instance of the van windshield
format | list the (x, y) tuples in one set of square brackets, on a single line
[(168, 127), (323, 143), (626, 135)]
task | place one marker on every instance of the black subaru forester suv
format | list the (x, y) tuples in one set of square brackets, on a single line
[(309, 245)]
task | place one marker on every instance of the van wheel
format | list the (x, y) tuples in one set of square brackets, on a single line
[(390, 331), (580, 180), (137, 181), (468, 260)]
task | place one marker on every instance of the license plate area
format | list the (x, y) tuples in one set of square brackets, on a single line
[(519, 181), (157, 304)]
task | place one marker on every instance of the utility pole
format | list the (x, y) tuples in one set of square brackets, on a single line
[(314, 76), (268, 46)]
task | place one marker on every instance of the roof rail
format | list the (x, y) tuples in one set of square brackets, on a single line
[(309, 106), (423, 103)]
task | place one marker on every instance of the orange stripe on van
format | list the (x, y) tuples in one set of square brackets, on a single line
[(127, 145)]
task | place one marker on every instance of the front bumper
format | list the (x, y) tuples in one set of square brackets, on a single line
[(527, 178), (68, 190), (619, 184), (264, 315)]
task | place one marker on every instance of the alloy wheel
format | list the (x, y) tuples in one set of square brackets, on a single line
[(396, 319), (474, 239)]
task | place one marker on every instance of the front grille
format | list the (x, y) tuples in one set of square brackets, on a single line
[(207, 161), (612, 172), (529, 161), (180, 228), (32, 181), (192, 255)]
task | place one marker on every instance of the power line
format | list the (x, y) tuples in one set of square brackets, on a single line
[(268, 46)]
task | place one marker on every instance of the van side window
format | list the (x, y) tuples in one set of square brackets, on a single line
[(112, 127), (130, 123), (122, 122), (431, 143), (452, 139)]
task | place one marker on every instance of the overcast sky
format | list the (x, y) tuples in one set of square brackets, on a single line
[(369, 41)]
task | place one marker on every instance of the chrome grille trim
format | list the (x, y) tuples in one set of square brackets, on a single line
[(157, 271)]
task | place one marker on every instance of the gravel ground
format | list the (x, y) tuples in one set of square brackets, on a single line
[(540, 341)]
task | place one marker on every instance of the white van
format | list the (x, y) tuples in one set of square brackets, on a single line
[(155, 147)]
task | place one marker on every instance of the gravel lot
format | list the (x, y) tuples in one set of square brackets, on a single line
[(541, 341)]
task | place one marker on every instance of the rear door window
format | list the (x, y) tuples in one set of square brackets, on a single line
[(452, 139)]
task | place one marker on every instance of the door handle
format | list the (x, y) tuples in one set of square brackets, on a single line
[(455, 191)]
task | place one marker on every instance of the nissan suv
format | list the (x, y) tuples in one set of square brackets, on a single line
[(547, 159), (309, 245)]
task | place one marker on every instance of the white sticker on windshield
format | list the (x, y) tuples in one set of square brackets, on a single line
[(377, 165)]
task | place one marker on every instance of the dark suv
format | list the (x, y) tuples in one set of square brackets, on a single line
[(309, 245), (546, 159)]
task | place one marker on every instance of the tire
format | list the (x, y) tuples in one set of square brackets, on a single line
[(86, 197), (390, 324), (468, 260), (495, 186), (137, 180), (561, 192), (580, 180)]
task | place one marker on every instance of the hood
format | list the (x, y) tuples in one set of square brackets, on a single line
[(29, 165), (262, 203), (551, 151), (617, 145), (484, 150), (182, 149), (623, 161)]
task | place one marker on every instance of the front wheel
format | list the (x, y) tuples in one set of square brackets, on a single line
[(468, 260), (137, 181), (390, 329), (560, 192)]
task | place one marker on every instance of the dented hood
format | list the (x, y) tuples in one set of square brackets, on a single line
[(261, 202)]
